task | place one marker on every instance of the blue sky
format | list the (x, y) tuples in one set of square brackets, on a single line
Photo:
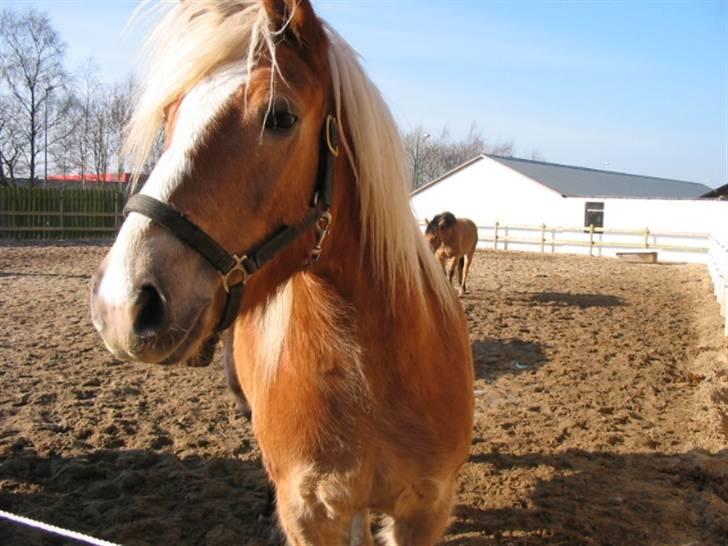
[(634, 86)]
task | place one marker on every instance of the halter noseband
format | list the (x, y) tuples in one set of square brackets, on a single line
[(235, 269)]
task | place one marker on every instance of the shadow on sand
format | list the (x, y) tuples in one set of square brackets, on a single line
[(582, 301), (494, 358), (603, 498), (134, 497), (50, 275)]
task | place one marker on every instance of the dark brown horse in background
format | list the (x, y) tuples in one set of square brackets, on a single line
[(453, 240)]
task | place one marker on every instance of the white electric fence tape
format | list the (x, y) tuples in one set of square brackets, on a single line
[(56, 530)]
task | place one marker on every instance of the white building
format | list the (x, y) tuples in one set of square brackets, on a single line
[(520, 204), (534, 200)]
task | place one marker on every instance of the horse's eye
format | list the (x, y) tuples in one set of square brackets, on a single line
[(280, 120)]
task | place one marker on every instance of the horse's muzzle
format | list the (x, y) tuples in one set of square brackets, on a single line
[(135, 328), (139, 321)]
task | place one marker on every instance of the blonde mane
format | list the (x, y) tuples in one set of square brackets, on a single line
[(195, 38)]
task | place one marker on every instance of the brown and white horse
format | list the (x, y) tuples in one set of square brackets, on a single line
[(453, 240), (357, 366)]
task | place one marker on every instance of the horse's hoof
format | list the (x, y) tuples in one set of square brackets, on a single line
[(276, 536), (273, 534)]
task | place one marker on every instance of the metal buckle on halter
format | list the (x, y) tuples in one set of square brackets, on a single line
[(323, 225), (332, 135), (239, 267)]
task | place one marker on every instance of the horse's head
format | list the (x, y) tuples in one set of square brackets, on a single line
[(243, 95), (437, 227)]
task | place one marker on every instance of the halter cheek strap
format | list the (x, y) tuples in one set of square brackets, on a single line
[(235, 269)]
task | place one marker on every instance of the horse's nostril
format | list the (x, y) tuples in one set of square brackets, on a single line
[(150, 312)]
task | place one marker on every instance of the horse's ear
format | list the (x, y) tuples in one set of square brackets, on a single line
[(297, 18), (427, 222)]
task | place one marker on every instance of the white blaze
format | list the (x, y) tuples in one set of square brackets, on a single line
[(196, 111)]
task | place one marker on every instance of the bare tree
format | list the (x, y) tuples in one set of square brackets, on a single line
[(11, 143), (432, 157), (86, 93), (100, 135), (155, 154), (31, 55), (119, 114), (62, 131)]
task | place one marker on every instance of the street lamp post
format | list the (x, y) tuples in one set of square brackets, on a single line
[(425, 136)]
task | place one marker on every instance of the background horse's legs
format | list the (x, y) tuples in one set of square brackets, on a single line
[(461, 275), (451, 264), (466, 268), (468, 259)]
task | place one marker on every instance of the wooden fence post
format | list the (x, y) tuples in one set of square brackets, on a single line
[(495, 237), (647, 237), (61, 215), (14, 201), (116, 209), (591, 239), (543, 237)]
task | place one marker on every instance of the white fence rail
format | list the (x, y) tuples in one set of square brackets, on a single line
[(591, 240), (718, 267)]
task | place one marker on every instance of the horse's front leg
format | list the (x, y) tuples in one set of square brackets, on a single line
[(451, 264), (467, 261), (441, 257), (316, 508), (308, 522), (231, 376)]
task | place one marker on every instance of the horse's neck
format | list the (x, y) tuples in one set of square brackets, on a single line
[(328, 315)]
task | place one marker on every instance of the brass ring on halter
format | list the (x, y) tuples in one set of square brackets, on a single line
[(239, 267), (322, 227), (332, 135), (324, 221)]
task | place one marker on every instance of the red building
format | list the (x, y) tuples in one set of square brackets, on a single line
[(91, 178)]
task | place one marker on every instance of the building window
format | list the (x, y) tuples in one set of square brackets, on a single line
[(594, 214)]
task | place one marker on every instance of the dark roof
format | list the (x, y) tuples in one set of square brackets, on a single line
[(571, 181), (717, 193)]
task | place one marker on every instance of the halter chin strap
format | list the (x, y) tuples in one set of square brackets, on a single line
[(235, 269)]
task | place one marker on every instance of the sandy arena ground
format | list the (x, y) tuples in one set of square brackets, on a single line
[(601, 413)]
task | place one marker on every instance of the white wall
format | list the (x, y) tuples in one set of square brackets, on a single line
[(488, 192), (659, 215)]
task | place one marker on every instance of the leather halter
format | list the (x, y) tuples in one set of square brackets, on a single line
[(235, 269)]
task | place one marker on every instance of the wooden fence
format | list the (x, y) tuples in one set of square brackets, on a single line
[(60, 213)]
